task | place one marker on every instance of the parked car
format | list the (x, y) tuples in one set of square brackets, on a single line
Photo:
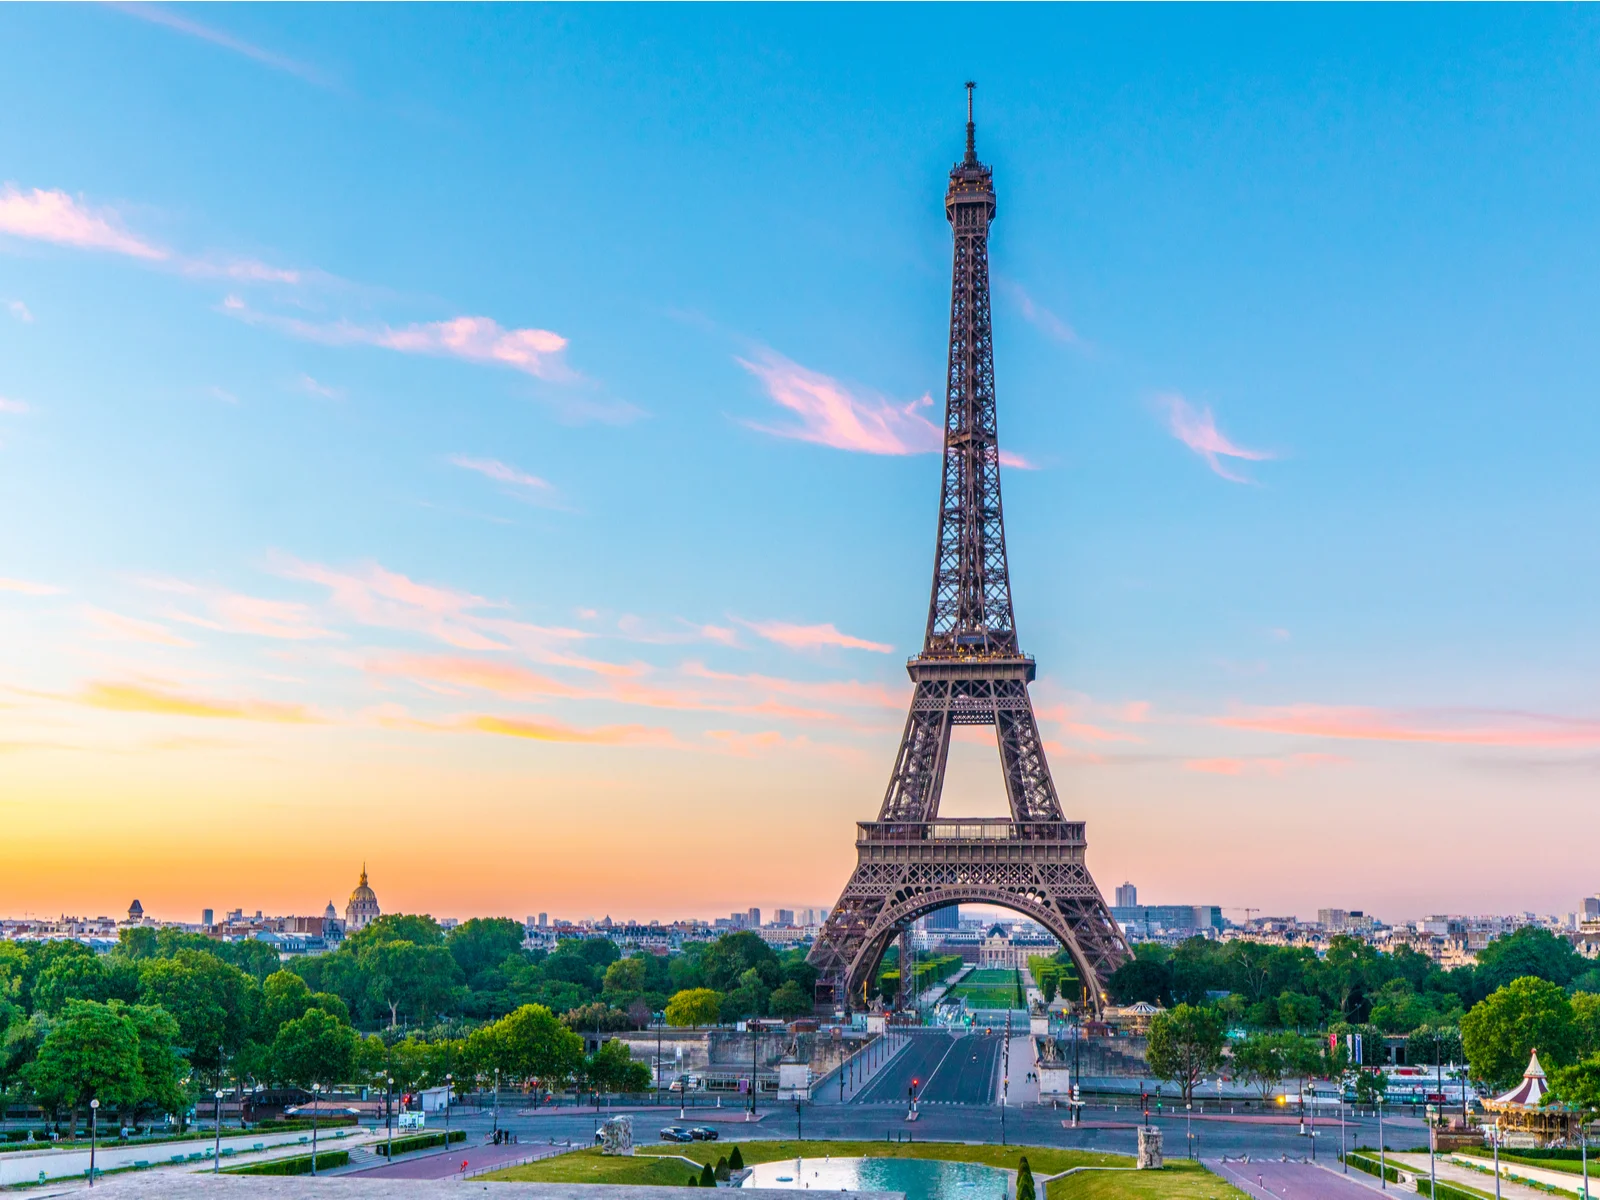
[(676, 1133), (702, 1134)]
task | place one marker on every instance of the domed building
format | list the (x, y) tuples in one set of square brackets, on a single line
[(363, 907)]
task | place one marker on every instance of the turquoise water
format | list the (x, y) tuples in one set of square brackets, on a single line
[(918, 1178)]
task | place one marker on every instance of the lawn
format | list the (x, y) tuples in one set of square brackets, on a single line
[(1573, 1166), (1179, 1181), (654, 1165), (988, 988), (588, 1166)]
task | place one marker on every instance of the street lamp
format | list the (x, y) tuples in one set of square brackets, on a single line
[(449, 1087), (316, 1090), (660, 1016), (1494, 1138), (388, 1121), (216, 1153), (94, 1114), (1188, 1129), (1383, 1162)]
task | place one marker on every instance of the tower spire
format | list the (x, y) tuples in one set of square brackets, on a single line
[(972, 130)]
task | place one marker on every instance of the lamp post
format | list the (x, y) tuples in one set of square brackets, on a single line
[(754, 1037), (497, 1100), (1494, 1138), (216, 1153), (1433, 1173), (388, 1120), (1383, 1162), (316, 1089), (449, 1086), (660, 1016), (1583, 1144), (1344, 1154), (94, 1114)]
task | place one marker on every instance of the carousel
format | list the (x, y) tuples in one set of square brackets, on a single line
[(1521, 1117)]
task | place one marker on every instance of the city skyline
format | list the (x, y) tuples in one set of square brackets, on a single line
[(387, 500)]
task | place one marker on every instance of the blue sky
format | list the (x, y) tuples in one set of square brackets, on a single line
[(511, 419)]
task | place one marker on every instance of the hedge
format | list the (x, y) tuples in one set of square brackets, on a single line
[(1448, 1191), (419, 1141), (295, 1166), (1372, 1166)]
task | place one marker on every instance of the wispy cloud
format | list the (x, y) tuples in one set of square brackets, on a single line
[(313, 387), (235, 612), (1073, 722), (848, 692), (556, 731), (1261, 764), (751, 745), (19, 310), (812, 637), (146, 698), (160, 16), (452, 675), (372, 595), (1041, 317), (491, 468), (678, 632), (1449, 727), (29, 588), (55, 216), (831, 414), (14, 407), (483, 340), (116, 627), (1197, 429)]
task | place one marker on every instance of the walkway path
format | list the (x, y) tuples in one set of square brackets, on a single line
[(1452, 1171), (1296, 1180), (25, 1166)]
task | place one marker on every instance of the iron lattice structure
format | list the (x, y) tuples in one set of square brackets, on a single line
[(970, 672)]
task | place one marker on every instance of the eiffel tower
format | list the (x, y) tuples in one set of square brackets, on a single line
[(911, 861)]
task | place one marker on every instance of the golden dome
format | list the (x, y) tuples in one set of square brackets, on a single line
[(363, 892)]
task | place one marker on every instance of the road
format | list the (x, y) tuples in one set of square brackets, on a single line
[(917, 1061), (967, 1073)]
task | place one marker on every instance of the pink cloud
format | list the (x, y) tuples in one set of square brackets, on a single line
[(498, 471), (14, 407), (831, 414), (1441, 727), (449, 674), (534, 352), (372, 595), (1197, 429), (54, 216), (749, 745), (29, 588), (1261, 765), (848, 692), (116, 627), (812, 637), (232, 612), (20, 311), (543, 730), (1070, 721)]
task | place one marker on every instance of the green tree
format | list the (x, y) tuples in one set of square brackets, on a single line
[(725, 962), (216, 1005), (161, 1067), (1433, 1044), (91, 1052), (531, 1044), (1025, 1185), (1501, 1032), (736, 1159), (598, 1017), (1185, 1044), (749, 999), (1577, 1085), (1047, 989), (418, 929), (624, 979), (1586, 1021), (82, 977), (1141, 979), (1528, 951), (483, 943), (694, 1007), (612, 1069), (407, 977), (708, 1176), (789, 1001), (1258, 1060), (315, 1048)]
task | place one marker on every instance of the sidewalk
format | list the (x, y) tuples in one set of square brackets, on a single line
[(1024, 1088), (1450, 1170)]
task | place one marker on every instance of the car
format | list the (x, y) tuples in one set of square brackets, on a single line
[(676, 1133), (702, 1134)]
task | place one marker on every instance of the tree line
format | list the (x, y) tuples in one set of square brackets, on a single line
[(166, 1015)]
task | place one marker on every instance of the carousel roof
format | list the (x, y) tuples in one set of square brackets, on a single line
[(1529, 1092)]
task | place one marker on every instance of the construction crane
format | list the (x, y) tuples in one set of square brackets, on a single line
[(1240, 908)]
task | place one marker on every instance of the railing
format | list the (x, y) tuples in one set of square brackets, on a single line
[(975, 829)]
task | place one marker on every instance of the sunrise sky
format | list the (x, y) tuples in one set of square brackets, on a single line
[(495, 444)]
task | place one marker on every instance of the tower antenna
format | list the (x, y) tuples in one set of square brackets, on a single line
[(972, 141)]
